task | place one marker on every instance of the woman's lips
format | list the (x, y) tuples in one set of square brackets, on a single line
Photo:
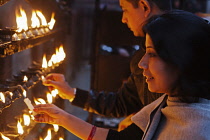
[(148, 79)]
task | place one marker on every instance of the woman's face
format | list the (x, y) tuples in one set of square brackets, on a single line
[(159, 75)]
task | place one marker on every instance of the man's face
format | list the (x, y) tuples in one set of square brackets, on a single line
[(134, 17)]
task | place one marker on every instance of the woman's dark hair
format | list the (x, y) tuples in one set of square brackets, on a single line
[(164, 5), (182, 40)]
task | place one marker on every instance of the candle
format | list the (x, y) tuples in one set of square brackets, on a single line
[(30, 106), (28, 103)]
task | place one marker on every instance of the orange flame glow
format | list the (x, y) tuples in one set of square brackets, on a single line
[(26, 119), (21, 20), (35, 20), (56, 127), (2, 97), (20, 128), (49, 135), (4, 137), (42, 17), (25, 79), (49, 98), (39, 101), (52, 21), (44, 61)]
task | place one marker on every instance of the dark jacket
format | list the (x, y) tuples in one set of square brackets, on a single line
[(130, 98)]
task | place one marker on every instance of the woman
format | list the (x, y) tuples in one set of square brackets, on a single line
[(176, 63)]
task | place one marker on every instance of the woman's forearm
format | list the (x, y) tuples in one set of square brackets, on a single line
[(81, 128)]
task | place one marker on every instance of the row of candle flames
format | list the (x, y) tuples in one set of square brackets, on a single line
[(47, 66), (39, 25)]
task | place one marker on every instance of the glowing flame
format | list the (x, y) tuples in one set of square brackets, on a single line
[(24, 93), (56, 127), (49, 135), (4, 137), (42, 17), (49, 98), (11, 94), (21, 20), (39, 101), (52, 22), (2, 97), (50, 63), (25, 79), (60, 138), (54, 92), (42, 77), (35, 20), (26, 119), (61, 53), (20, 128), (44, 62)]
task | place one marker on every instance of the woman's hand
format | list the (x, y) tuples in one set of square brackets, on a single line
[(49, 113), (57, 81)]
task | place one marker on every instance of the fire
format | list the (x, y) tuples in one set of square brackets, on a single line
[(39, 101), (44, 61), (60, 138), (20, 128), (52, 21), (26, 119), (49, 98), (2, 97), (62, 54), (35, 20), (49, 135), (4, 137), (21, 20), (56, 127), (25, 79), (24, 93), (42, 17), (54, 92)]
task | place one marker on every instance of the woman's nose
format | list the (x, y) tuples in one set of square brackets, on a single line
[(143, 63)]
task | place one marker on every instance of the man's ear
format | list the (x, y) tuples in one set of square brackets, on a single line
[(145, 5)]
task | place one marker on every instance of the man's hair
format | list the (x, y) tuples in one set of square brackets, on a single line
[(164, 5), (181, 39)]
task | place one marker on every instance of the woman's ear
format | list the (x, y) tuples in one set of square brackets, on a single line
[(145, 5)]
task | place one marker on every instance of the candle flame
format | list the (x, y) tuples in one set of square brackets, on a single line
[(26, 119), (21, 20), (20, 128), (56, 127), (52, 21), (35, 20), (61, 53), (25, 79), (60, 138), (54, 92), (2, 97), (44, 61), (39, 101), (49, 135), (24, 93), (42, 17), (49, 98), (50, 63), (4, 137)]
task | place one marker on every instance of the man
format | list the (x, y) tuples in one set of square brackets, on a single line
[(133, 94)]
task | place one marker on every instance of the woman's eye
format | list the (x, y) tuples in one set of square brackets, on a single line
[(152, 54)]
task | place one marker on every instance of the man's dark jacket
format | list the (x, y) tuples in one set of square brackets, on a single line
[(130, 98)]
